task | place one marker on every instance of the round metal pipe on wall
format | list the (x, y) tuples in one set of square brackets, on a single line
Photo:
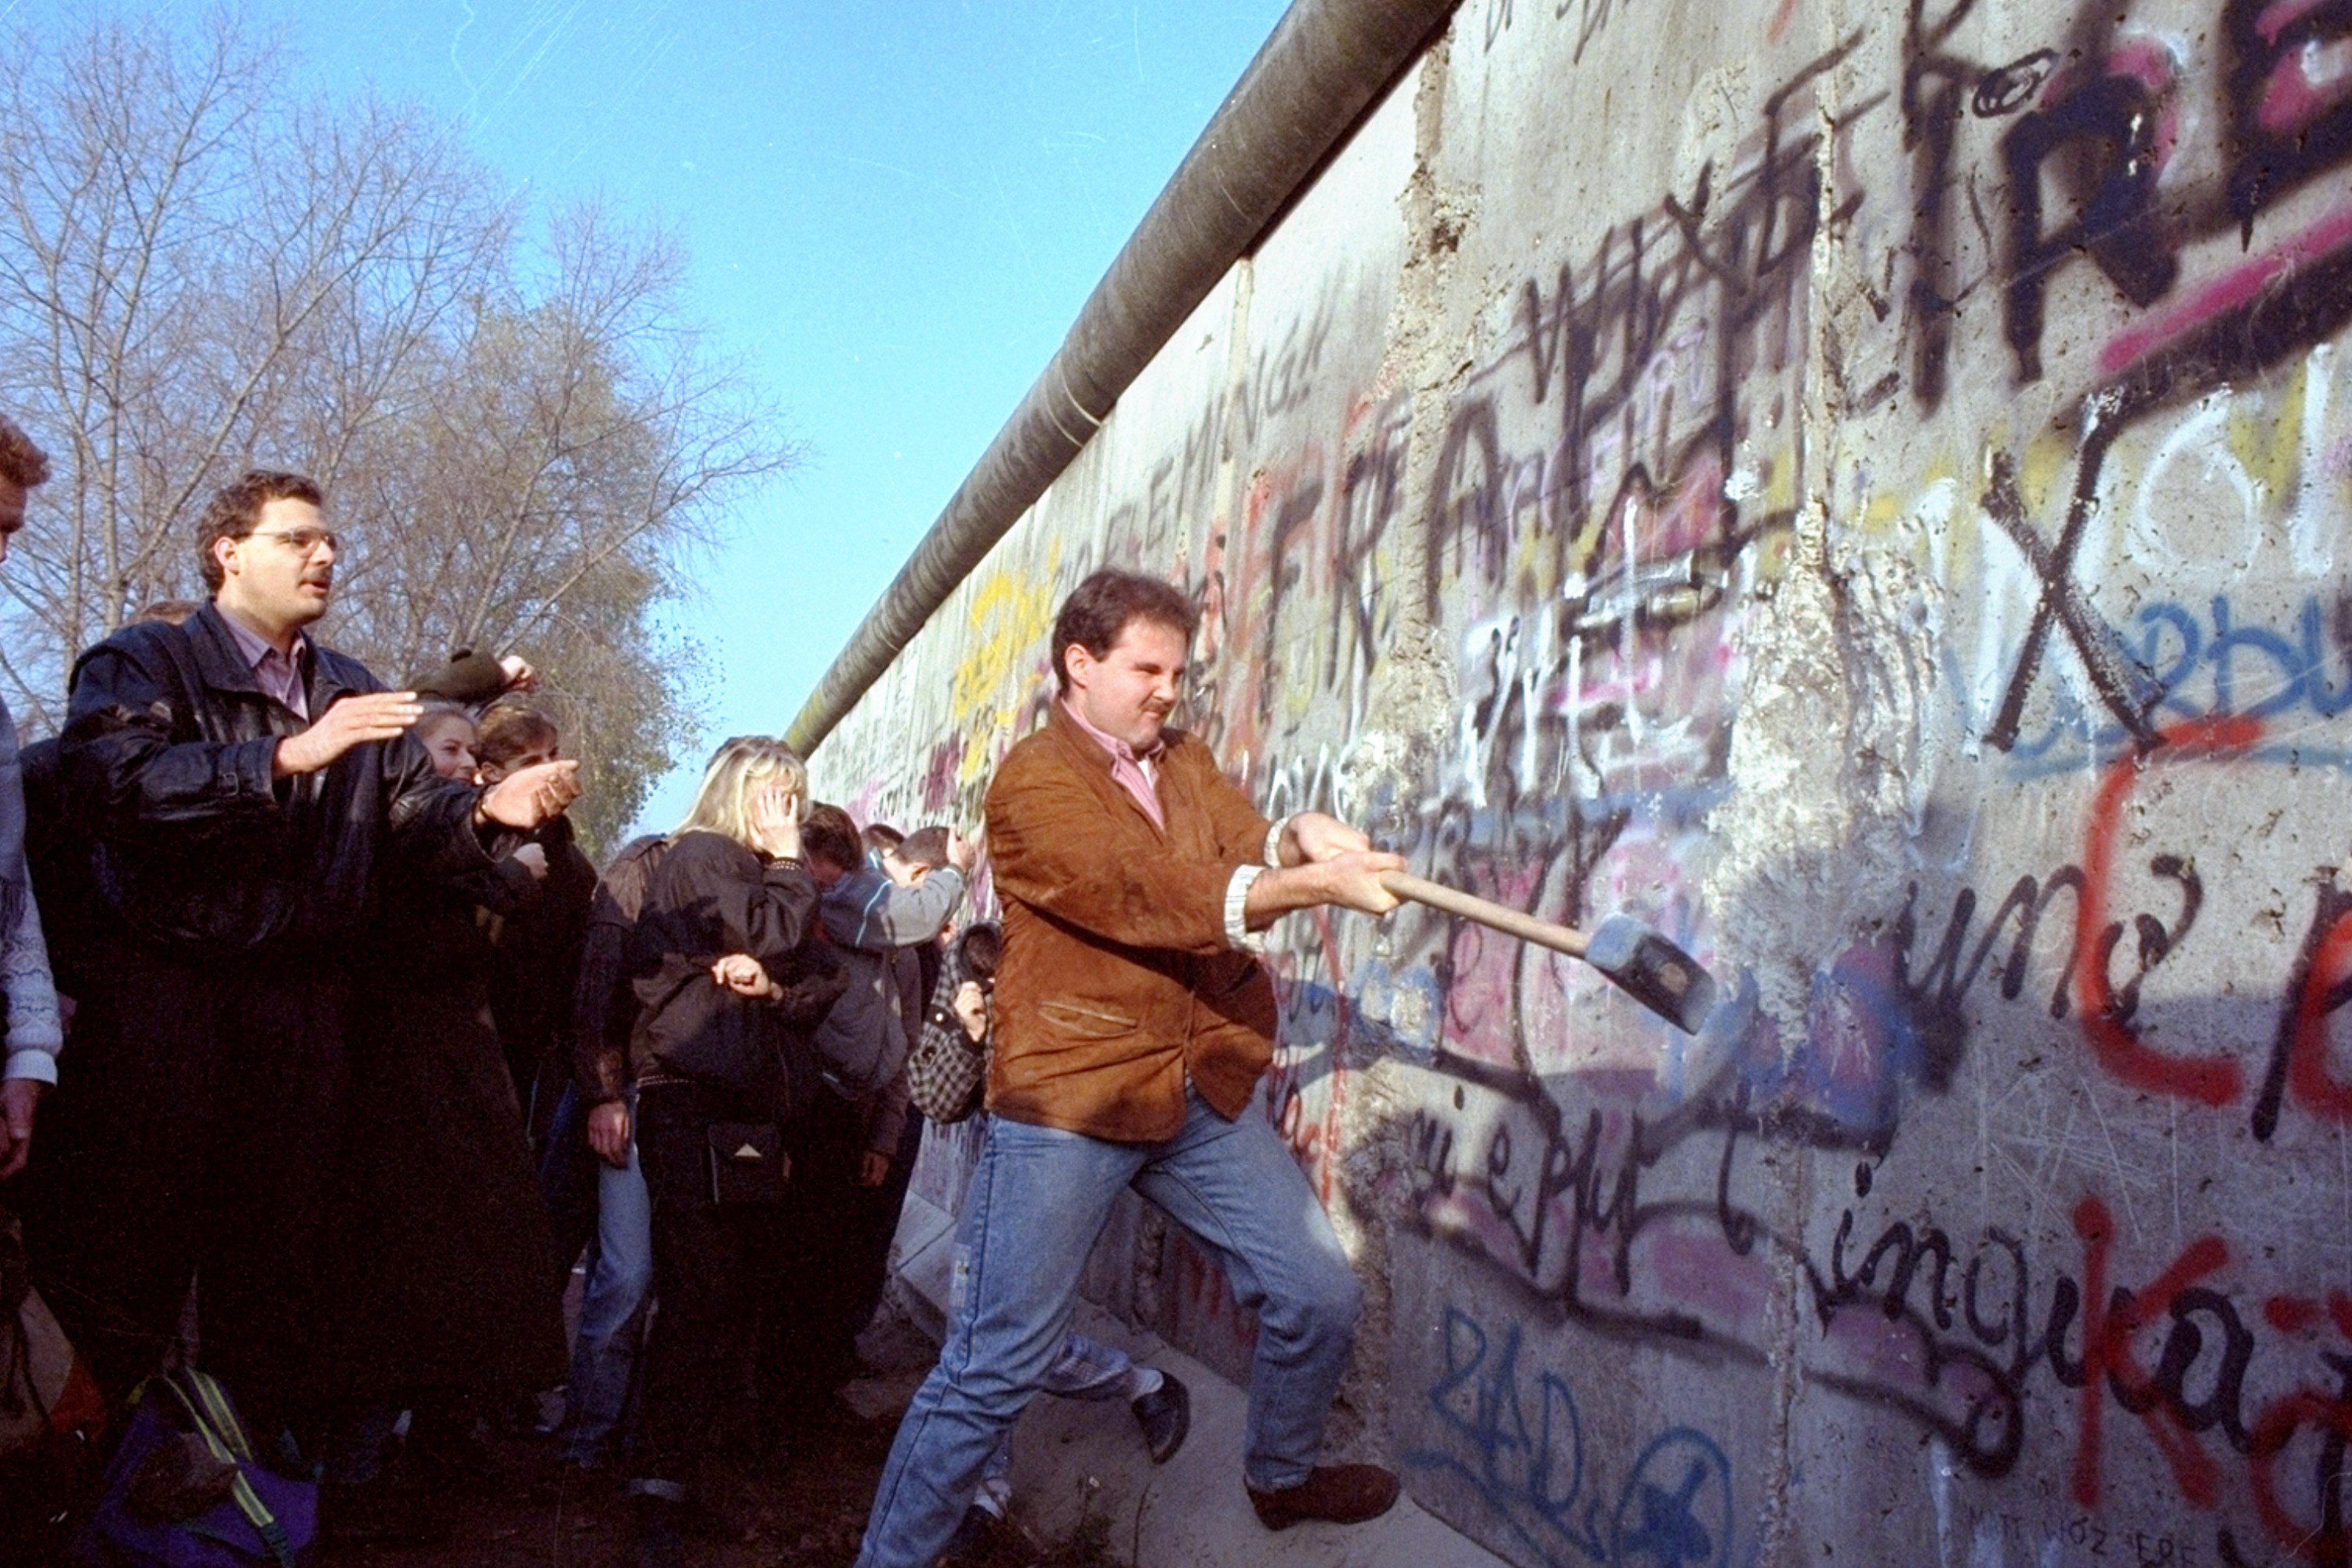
[(1326, 62)]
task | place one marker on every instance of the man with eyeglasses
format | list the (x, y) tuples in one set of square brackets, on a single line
[(245, 787)]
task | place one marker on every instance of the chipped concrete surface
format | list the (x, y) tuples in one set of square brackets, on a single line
[(1856, 487)]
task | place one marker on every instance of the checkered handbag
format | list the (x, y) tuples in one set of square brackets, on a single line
[(945, 1070)]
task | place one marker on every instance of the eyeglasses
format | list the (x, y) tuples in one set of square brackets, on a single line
[(301, 541)]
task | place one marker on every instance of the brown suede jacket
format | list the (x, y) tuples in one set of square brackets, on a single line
[(1117, 978)]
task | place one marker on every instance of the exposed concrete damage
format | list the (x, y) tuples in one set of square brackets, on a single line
[(1861, 487)]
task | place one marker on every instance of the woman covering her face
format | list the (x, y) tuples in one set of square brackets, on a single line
[(720, 944)]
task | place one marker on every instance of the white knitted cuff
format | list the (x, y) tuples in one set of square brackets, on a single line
[(1238, 931)]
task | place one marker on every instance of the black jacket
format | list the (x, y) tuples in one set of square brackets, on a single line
[(605, 1005), (166, 752), (441, 1273), (57, 853), (534, 961), (708, 897)]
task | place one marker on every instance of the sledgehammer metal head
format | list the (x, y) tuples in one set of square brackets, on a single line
[(1643, 963), (1653, 971)]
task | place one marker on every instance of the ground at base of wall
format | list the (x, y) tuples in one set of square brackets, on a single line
[(803, 1509)]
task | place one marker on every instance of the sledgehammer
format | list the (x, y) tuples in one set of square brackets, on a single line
[(1643, 963)]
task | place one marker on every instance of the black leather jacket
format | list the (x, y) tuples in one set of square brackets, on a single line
[(706, 897), (167, 751)]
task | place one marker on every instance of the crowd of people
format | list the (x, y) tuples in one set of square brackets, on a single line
[(330, 1061)]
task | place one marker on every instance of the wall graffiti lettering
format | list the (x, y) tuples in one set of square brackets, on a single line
[(1512, 1434), (2040, 1157)]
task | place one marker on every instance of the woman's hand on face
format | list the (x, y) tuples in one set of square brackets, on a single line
[(776, 821)]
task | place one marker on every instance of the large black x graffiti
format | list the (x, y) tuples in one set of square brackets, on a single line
[(2130, 692)]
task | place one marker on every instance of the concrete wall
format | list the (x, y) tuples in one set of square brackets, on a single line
[(1864, 486)]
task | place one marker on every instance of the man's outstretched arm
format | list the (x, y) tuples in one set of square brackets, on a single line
[(1344, 869)]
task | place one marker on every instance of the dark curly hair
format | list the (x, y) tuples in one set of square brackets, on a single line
[(507, 730), (22, 462), (1099, 609)]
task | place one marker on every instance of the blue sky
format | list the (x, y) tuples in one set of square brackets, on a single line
[(894, 213)]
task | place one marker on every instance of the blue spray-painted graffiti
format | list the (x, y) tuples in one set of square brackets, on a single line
[(2210, 663), (1675, 1510), (1520, 1446)]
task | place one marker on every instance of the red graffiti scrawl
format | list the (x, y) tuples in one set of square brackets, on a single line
[(2322, 1541), (2209, 1081), (2307, 1069), (2108, 1329)]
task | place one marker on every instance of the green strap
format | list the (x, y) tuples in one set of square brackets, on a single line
[(265, 1523), (224, 1435), (196, 1421), (224, 1414)]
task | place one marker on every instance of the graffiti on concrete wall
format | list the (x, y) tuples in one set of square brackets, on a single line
[(1509, 1428), (2049, 1170)]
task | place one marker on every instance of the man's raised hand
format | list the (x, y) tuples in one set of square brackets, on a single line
[(528, 796), (962, 852), (353, 720)]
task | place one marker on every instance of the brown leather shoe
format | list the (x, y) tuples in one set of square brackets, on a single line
[(1342, 1494)]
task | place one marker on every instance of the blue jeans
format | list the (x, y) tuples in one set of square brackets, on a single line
[(612, 1308), (568, 1182), (1039, 1197), (1087, 1370)]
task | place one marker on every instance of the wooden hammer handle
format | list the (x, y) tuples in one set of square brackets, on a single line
[(1499, 917)]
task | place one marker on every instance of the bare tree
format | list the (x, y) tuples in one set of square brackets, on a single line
[(200, 271), (570, 456)]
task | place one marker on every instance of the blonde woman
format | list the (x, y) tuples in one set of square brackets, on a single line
[(717, 943)]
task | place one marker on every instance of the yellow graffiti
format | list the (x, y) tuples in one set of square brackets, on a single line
[(1533, 560), (2049, 463), (1780, 483), (2268, 443), (1010, 615)]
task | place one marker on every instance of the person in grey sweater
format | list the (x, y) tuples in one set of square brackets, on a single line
[(873, 917), (34, 1033)]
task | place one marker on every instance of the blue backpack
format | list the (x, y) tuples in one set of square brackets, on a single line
[(185, 1491)]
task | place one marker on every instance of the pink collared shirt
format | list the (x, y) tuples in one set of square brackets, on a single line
[(277, 674), (1138, 774)]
